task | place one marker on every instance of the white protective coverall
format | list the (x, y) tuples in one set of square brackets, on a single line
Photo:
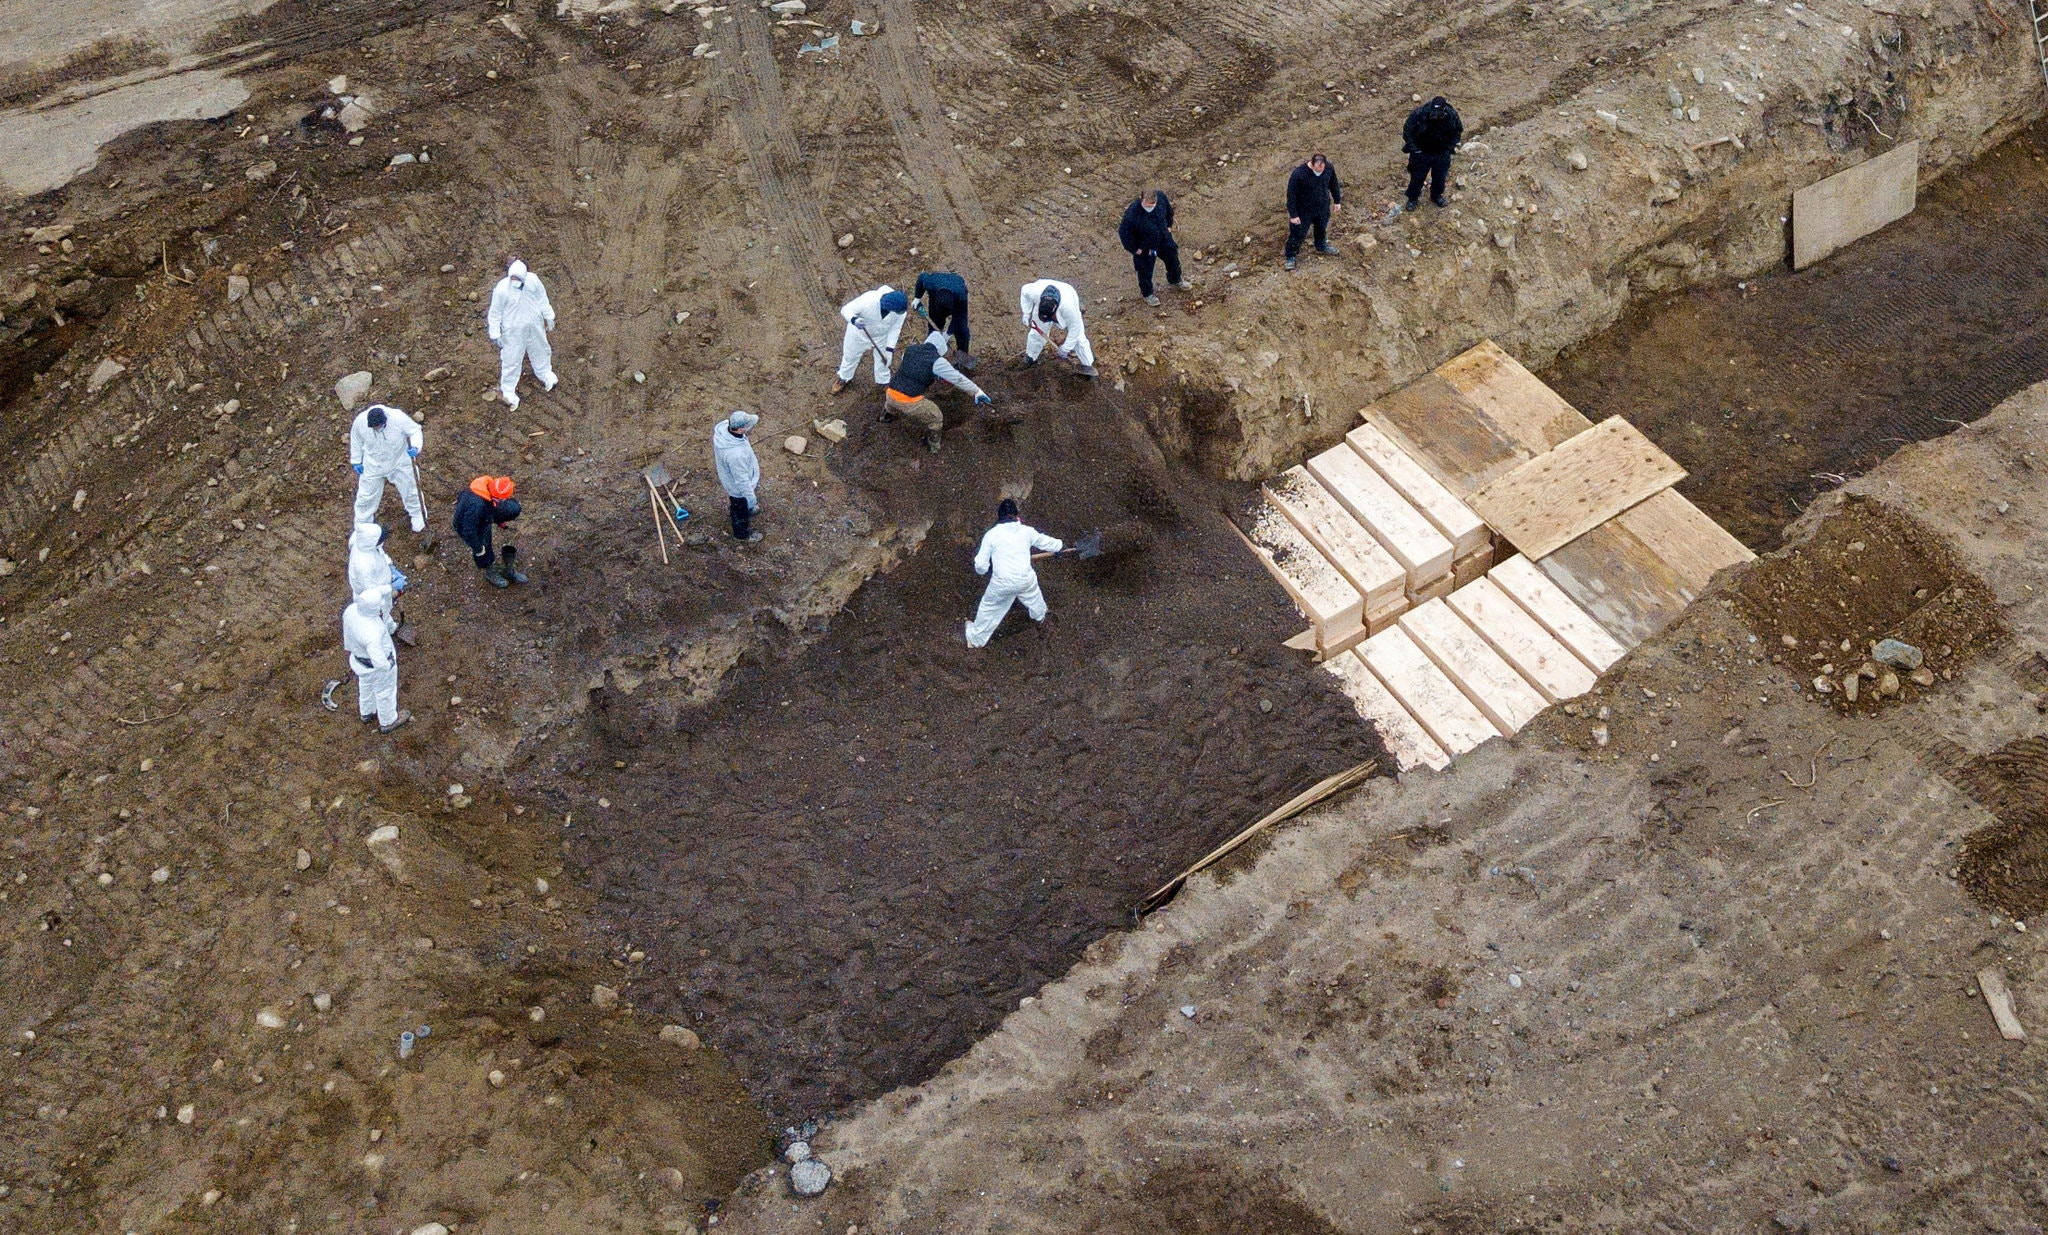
[(1037, 333), (865, 310), (386, 454), (1005, 557), (372, 657), (369, 567), (519, 322)]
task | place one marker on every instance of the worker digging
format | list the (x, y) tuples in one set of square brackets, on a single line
[(1005, 557), (942, 297), (382, 445), (909, 393), (1048, 305), (519, 320), (874, 321), (486, 505)]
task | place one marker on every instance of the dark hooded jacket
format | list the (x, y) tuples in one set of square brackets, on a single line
[(1142, 230), (1432, 129)]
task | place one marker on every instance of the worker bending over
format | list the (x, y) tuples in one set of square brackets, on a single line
[(519, 321), (943, 295), (382, 443), (873, 320), (1049, 305), (1005, 557), (924, 365), (488, 503), (373, 659)]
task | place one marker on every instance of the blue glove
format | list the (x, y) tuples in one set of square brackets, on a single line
[(412, 452), (398, 580), (984, 401), (358, 467)]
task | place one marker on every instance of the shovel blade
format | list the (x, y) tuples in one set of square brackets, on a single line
[(1089, 546), (658, 476)]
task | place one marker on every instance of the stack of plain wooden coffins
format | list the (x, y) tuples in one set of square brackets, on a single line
[(1388, 542)]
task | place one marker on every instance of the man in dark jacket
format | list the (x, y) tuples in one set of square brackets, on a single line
[(488, 503), (1147, 235), (944, 297), (1432, 132), (1313, 195), (918, 369)]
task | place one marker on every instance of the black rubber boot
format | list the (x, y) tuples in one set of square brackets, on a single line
[(512, 571), (495, 579)]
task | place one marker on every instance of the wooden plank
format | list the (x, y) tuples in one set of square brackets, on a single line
[(1496, 687), (1621, 581), (1401, 529), (1434, 589), (1431, 698), (1557, 613), (1998, 997), (1528, 412), (1522, 641), (1445, 511), (1852, 204), (1324, 596), (1377, 620), (1407, 742), (1472, 566), (1557, 497), (1320, 517), (1447, 434), (1693, 545)]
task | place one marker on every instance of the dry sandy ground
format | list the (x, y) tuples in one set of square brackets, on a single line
[(185, 826), (1714, 974)]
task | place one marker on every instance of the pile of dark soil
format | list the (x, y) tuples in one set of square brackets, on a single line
[(2005, 866), (1868, 573), (863, 855)]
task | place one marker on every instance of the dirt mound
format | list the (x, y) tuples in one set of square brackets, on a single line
[(1868, 573), (862, 856), (2005, 866)]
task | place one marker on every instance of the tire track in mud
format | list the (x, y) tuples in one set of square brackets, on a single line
[(952, 206), (747, 71)]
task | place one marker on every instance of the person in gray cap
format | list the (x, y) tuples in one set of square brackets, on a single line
[(739, 472)]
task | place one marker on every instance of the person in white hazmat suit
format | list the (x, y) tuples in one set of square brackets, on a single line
[(373, 658), (1005, 557), (874, 320), (369, 567), (382, 443), (519, 322), (1047, 305)]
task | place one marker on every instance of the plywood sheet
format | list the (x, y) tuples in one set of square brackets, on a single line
[(1324, 596), (1493, 685), (1524, 409), (1406, 740), (1555, 610), (1423, 552), (1320, 517), (1621, 581), (1431, 698), (1691, 544), (1445, 511), (1446, 433), (1852, 204), (1559, 496), (1522, 641)]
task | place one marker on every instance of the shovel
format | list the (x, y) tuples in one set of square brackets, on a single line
[(1087, 547), (659, 485)]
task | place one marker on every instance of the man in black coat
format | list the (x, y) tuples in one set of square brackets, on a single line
[(488, 503), (1313, 195), (1147, 235), (1432, 132), (944, 297)]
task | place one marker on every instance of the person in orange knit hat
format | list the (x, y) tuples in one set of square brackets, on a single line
[(488, 503)]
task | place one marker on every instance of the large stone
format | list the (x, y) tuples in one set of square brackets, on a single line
[(351, 389), (238, 287), (109, 369), (809, 1177), (1898, 654), (603, 997), (356, 116), (681, 1035)]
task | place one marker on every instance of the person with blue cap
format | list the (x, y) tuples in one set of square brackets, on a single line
[(739, 472), (1005, 557), (873, 321)]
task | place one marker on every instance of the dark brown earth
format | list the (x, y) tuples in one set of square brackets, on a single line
[(1775, 388), (861, 857)]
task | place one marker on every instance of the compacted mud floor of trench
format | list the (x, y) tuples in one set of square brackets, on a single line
[(1774, 388), (863, 855)]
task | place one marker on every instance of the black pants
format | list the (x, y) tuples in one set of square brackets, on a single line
[(1295, 232), (480, 550), (742, 517), (1143, 261), (1437, 167), (949, 313)]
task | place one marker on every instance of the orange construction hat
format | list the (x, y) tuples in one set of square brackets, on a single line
[(494, 488)]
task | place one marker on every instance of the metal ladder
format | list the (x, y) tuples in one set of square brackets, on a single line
[(2040, 39)]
